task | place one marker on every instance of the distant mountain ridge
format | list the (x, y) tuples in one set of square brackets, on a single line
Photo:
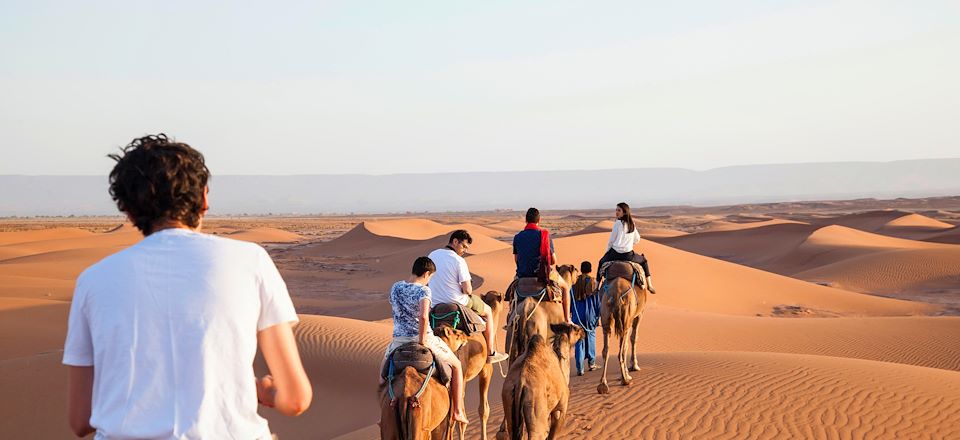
[(475, 191)]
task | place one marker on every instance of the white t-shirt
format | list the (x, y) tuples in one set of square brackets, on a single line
[(170, 326), (620, 240), (451, 271)]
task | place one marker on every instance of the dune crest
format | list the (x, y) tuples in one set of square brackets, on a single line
[(917, 221)]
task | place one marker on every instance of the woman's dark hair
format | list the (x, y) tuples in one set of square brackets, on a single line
[(423, 265), (586, 267), (462, 235), (533, 215), (156, 179), (627, 218)]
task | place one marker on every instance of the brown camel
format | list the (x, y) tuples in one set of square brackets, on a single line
[(473, 358), (622, 305), (537, 388), (417, 418), (531, 316)]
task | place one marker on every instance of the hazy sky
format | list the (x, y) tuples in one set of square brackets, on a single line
[(407, 86)]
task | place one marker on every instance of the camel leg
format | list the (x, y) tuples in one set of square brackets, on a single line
[(484, 380), (634, 364), (538, 423), (624, 374), (603, 388), (507, 399), (558, 418)]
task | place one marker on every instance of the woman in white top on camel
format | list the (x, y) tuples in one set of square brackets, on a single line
[(623, 238)]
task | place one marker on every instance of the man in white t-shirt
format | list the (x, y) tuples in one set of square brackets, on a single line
[(162, 335), (451, 284)]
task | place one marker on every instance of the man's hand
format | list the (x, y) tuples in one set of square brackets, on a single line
[(266, 391)]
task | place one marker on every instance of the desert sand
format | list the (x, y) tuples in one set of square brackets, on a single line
[(802, 325)]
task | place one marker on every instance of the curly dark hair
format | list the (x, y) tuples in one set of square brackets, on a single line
[(156, 179)]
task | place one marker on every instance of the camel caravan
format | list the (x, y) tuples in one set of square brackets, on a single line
[(444, 335)]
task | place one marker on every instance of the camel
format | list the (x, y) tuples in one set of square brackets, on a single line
[(537, 388), (412, 417), (532, 316), (473, 357), (622, 305)]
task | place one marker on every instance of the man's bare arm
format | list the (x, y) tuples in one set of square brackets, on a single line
[(466, 287), (80, 400), (287, 388)]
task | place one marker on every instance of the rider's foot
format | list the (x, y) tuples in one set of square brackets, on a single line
[(651, 290), (461, 417), (579, 372), (496, 356), (594, 367)]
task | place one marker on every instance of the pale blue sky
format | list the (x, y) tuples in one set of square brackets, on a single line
[(399, 87)]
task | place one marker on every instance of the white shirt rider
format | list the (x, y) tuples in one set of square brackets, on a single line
[(621, 240)]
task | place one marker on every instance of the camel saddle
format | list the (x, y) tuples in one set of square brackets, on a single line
[(413, 354), (627, 270), (532, 287), (457, 316)]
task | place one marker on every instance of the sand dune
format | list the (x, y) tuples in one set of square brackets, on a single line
[(422, 229), (896, 271), (837, 255), (870, 221), (508, 226), (31, 326), (720, 225), (265, 235), (717, 287), (371, 239), (341, 357), (42, 235), (916, 221)]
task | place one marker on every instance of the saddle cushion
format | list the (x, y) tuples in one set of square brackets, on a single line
[(457, 316), (413, 354), (627, 270), (533, 287)]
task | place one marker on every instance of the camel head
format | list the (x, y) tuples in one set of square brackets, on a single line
[(568, 272), (564, 337), (494, 299), (452, 337)]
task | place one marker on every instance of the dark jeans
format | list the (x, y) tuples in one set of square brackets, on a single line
[(613, 255)]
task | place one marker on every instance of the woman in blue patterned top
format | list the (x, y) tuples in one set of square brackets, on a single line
[(410, 301)]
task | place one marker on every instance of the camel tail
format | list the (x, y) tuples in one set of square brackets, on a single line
[(516, 415)]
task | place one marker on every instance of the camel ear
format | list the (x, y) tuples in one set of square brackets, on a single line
[(492, 297), (443, 332)]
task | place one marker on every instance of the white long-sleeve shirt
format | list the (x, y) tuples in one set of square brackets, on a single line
[(621, 240)]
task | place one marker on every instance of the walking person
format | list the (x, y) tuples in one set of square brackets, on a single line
[(623, 238), (162, 336), (586, 314)]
